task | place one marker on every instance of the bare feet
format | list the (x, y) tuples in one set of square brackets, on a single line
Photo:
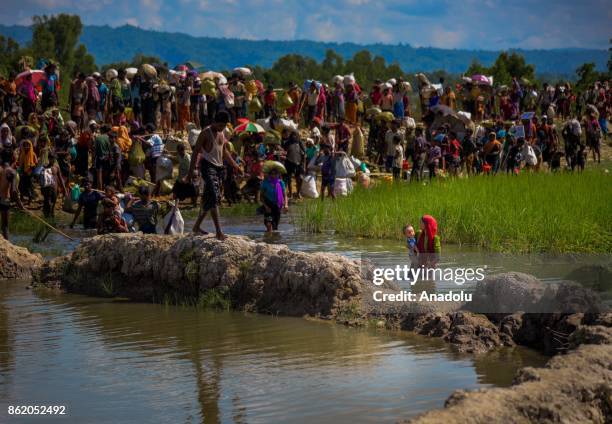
[(220, 236), (199, 231)]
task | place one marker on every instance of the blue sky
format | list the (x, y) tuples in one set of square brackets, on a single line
[(480, 24)]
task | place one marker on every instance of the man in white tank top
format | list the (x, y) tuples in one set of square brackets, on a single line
[(213, 146)]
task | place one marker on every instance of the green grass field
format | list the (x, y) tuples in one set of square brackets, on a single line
[(539, 212)]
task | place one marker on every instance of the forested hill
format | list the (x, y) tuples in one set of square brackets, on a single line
[(122, 43)]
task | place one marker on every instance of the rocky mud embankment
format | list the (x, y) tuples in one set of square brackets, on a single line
[(17, 263)]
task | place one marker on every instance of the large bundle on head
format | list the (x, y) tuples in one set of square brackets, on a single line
[(392, 81), (406, 87), (372, 111), (458, 123), (431, 89), (111, 73), (423, 80), (308, 83), (148, 71), (255, 105), (130, 72), (243, 72), (209, 88), (337, 79), (385, 117), (349, 79), (251, 87), (284, 101)]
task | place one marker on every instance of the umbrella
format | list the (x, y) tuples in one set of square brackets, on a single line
[(37, 77), (481, 79), (269, 165), (250, 127), (242, 121)]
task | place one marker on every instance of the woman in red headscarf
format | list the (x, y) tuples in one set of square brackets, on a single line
[(428, 241)]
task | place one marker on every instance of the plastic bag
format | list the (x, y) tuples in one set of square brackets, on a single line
[(251, 87), (163, 168), (357, 149), (137, 155), (342, 186), (173, 222), (255, 105), (530, 157), (309, 187), (75, 193), (284, 101), (209, 88), (409, 122), (192, 137), (69, 205), (165, 187)]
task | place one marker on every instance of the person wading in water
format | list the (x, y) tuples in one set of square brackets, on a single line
[(213, 146)]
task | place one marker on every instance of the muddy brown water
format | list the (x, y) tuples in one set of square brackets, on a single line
[(111, 361)]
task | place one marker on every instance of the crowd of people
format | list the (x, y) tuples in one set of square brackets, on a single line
[(231, 137)]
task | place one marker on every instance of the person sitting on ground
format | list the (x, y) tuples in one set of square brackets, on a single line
[(88, 202), (274, 199), (110, 220), (145, 211)]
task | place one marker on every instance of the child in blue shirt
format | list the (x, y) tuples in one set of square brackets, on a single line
[(411, 241)]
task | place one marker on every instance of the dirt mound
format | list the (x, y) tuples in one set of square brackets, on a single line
[(571, 388), (17, 262), (252, 276)]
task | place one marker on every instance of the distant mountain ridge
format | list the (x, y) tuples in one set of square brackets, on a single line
[(109, 45)]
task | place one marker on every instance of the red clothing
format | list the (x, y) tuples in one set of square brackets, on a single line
[(376, 97), (430, 230), (455, 148)]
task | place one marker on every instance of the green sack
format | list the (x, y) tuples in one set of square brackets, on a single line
[(284, 102), (209, 88), (255, 105), (137, 155)]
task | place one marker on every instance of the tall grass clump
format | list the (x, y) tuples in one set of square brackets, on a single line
[(531, 212)]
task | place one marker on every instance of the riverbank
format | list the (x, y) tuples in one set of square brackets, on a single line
[(573, 388), (539, 212)]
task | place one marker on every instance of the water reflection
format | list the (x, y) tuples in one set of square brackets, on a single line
[(123, 362)]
